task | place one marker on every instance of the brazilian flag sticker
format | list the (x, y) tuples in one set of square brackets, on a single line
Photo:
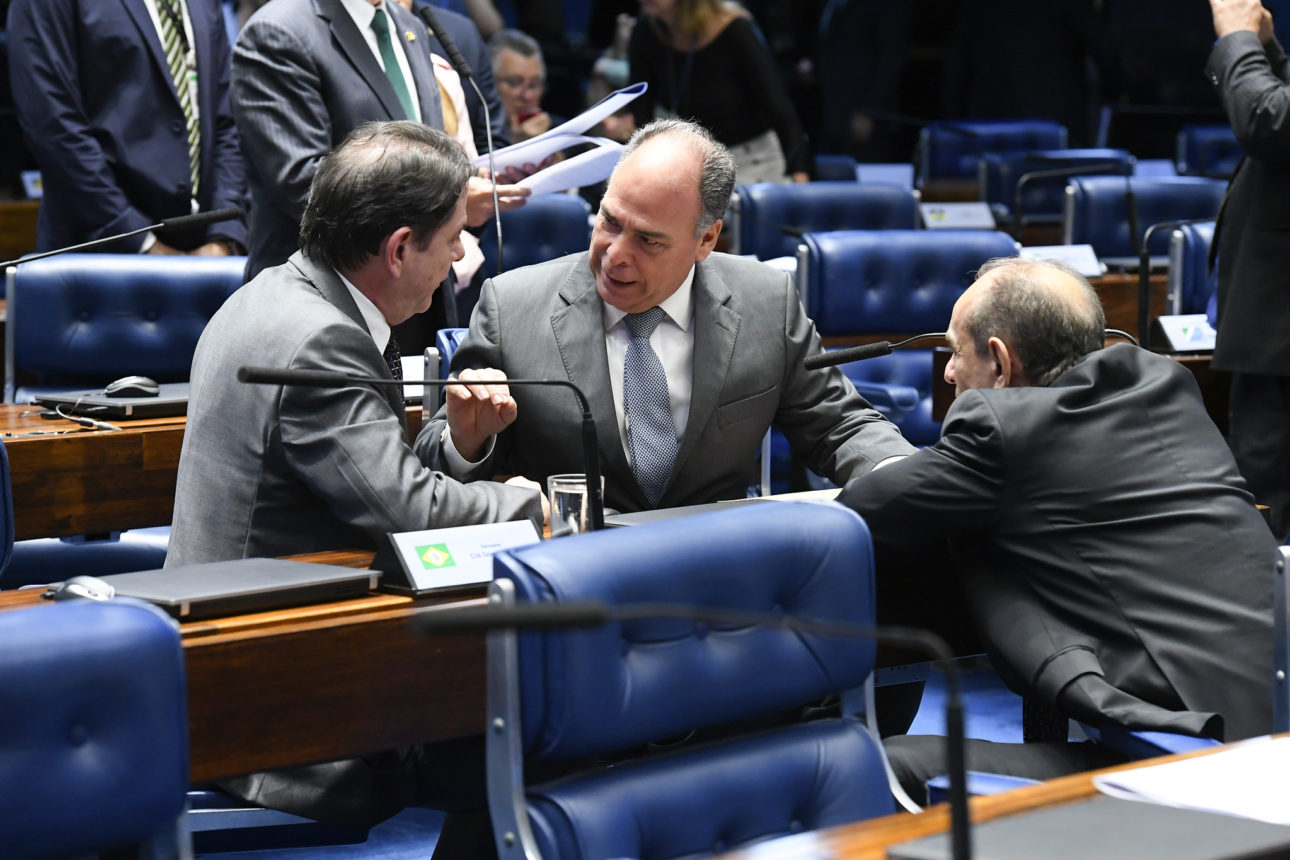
[(435, 556)]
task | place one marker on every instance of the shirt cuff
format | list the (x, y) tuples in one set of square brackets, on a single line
[(457, 466), (888, 461), (149, 239)]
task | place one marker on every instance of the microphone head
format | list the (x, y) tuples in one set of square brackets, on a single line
[(843, 356)]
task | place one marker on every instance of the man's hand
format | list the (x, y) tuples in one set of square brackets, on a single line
[(538, 123), (1233, 15), (521, 481), (479, 199), (161, 249), (476, 412)]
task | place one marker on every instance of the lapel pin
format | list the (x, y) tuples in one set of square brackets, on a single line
[(411, 37)]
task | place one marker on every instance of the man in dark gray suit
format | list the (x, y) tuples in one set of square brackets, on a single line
[(1248, 67), (305, 73), (729, 341), (1114, 565), (268, 470)]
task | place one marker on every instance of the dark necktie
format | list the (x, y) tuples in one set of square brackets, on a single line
[(394, 358), (651, 435), (381, 25)]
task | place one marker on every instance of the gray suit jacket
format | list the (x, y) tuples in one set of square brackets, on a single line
[(303, 78), (750, 336), (268, 470), (1114, 564)]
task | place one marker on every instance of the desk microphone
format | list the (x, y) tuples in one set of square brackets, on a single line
[(573, 615), (1113, 167), (462, 68), (335, 379), (180, 222), (860, 353)]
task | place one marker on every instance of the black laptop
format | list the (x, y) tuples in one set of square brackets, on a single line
[(170, 400), (243, 585)]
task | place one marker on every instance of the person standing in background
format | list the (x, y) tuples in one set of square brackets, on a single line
[(705, 60), (1249, 69)]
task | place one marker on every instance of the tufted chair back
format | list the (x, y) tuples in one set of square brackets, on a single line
[(1191, 283), (950, 149), (82, 320), (770, 217), (93, 730), (580, 696), (1113, 214), (544, 228), (1019, 192), (1208, 150)]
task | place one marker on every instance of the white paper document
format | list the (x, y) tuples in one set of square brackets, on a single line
[(586, 168), (1247, 780)]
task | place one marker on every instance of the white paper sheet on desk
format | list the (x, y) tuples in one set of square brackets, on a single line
[(1248, 780)]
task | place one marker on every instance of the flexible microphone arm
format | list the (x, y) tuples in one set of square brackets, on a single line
[(459, 64), (180, 222), (860, 353), (1053, 173), (1144, 264), (545, 616), (334, 379)]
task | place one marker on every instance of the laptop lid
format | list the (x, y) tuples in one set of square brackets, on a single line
[(242, 585), (170, 400)]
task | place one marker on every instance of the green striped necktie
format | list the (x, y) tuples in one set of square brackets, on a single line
[(381, 25), (174, 40)]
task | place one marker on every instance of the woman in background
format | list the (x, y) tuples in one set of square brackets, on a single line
[(705, 60)]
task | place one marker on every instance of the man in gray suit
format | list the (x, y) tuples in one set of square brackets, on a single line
[(1113, 562), (680, 411), (268, 470), (307, 72)]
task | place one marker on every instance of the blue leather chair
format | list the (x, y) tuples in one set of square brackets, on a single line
[(951, 149), (1208, 150), (769, 218), (835, 167), (1112, 214), (1191, 283), (82, 320), (544, 228), (568, 698), (93, 730), (1041, 196)]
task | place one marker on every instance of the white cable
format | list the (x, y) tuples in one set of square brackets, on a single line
[(871, 720)]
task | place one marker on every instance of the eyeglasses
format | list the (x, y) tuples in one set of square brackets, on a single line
[(517, 83)]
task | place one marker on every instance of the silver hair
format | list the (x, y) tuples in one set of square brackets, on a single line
[(716, 175)]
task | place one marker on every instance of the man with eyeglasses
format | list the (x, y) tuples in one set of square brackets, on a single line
[(521, 81)]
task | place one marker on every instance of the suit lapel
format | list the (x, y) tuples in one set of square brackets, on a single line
[(715, 328), (334, 291), (578, 324), (418, 54), (138, 11), (354, 46)]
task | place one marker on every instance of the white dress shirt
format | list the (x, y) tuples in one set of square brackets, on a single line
[(363, 12), (376, 324)]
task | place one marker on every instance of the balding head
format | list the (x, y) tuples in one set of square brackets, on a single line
[(705, 161), (1043, 315)]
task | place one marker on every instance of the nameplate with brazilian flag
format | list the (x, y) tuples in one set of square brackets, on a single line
[(441, 560)]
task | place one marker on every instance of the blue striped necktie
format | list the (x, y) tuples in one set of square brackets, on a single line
[(651, 435)]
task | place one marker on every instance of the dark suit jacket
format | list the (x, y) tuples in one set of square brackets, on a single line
[(1254, 225), (1113, 562), (463, 32), (750, 336), (99, 109), (304, 78)]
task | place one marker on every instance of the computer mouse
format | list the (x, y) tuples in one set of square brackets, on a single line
[(132, 386), (87, 587)]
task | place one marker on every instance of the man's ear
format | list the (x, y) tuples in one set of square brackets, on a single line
[(708, 241), (1008, 372), (393, 251)]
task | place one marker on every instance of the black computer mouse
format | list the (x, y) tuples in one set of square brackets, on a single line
[(132, 386), (87, 587)]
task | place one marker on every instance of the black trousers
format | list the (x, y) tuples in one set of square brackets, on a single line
[(1259, 433)]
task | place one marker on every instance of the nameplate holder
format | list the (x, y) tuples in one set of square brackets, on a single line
[(1081, 258), (32, 185), (957, 216), (434, 561), (1184, 333)]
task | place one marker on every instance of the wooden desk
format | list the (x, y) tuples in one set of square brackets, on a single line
[(69, 481), (321, 682), (869, 840)]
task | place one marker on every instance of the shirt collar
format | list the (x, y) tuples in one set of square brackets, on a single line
[(362, 12), (679, 306), (372, 316)]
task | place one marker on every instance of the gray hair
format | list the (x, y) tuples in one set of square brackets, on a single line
[(716, 175), (1049, 334), (521, 43)]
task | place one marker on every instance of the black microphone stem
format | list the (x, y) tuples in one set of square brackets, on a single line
[(1144, 275), (180, 221)]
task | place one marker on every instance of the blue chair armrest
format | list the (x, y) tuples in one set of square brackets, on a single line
[(978, 784), (888, 398), (1144, 744)]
